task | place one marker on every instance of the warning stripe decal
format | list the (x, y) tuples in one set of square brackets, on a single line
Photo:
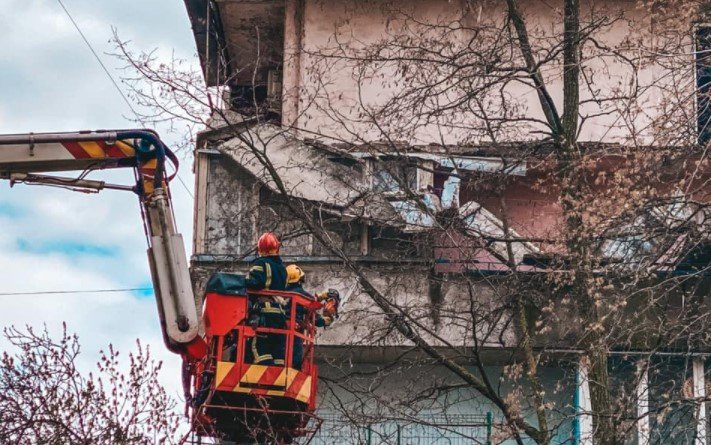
[(126, 149), (271, 375), (76, 150), (99, 149), (94, 149), (305, 391), (296, 384), (114, 152), (227, 375), (253, 374)]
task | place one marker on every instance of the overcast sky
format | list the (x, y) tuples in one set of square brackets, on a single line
[(57, 240)]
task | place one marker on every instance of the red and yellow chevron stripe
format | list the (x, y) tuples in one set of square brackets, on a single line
[(99, 149), (263, 380), (116, 150)]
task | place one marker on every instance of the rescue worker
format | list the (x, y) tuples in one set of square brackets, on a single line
[(295, 278), (267, 272)]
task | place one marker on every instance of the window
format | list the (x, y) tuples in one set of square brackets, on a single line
[(386, 172), (670, 394), (703, 83), (626, 248)]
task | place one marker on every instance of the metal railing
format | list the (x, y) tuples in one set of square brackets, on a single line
[(455, 429)]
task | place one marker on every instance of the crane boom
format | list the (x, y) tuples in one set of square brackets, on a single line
[(232, 397), (24, 158)]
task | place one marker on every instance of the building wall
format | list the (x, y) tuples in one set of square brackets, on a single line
[(431, 282), (231, 209), (235, 208), (384, 416), (362, 324), (333, 90)]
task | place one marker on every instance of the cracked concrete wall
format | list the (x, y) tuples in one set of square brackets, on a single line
[(362, 323), (231, 206)]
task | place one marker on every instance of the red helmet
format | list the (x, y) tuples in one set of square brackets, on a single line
[(268, 244)]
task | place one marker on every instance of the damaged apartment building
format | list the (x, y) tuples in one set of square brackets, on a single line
[(421, 215)]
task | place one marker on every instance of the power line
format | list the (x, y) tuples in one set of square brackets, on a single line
[(98, 59), (185, 186), (96, 291), (113, 81)]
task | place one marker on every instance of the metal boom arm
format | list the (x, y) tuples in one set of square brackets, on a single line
[(24, 156)]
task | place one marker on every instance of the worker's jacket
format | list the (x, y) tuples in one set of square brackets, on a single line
[(271, 312), (267, 272), (297, 288)]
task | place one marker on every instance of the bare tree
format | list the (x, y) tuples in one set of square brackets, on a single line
[(45, 399)]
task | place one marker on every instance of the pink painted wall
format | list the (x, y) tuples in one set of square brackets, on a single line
[(333, 95)]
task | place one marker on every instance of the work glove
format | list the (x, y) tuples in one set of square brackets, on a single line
[(332, 301), (333, 294)]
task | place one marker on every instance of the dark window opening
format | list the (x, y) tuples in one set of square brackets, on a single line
[(440, 177), (670, 394), (703, 83), (392, 244), (353, 164), (246, 96), (251, 100)]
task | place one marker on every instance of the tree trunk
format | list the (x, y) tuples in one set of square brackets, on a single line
[(579, 244)]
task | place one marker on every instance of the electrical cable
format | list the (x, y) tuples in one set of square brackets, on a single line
[(98, 59), (135, 113), (113, 81), (96, 291), (111, 78), (185, 186)]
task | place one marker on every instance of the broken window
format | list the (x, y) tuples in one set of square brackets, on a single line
[(392, 244), (626, 248), (447, 186), (244, 98), (258, 98), (653, 231), (389, 175)]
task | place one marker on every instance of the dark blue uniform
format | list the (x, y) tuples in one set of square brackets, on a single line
[(300, 311), (267, 273), (300, 315)]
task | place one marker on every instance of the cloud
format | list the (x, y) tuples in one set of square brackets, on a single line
[(54, 239), (99, 319), (50, 76)]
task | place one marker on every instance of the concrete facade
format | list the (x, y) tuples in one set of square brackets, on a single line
[(311, 128)]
